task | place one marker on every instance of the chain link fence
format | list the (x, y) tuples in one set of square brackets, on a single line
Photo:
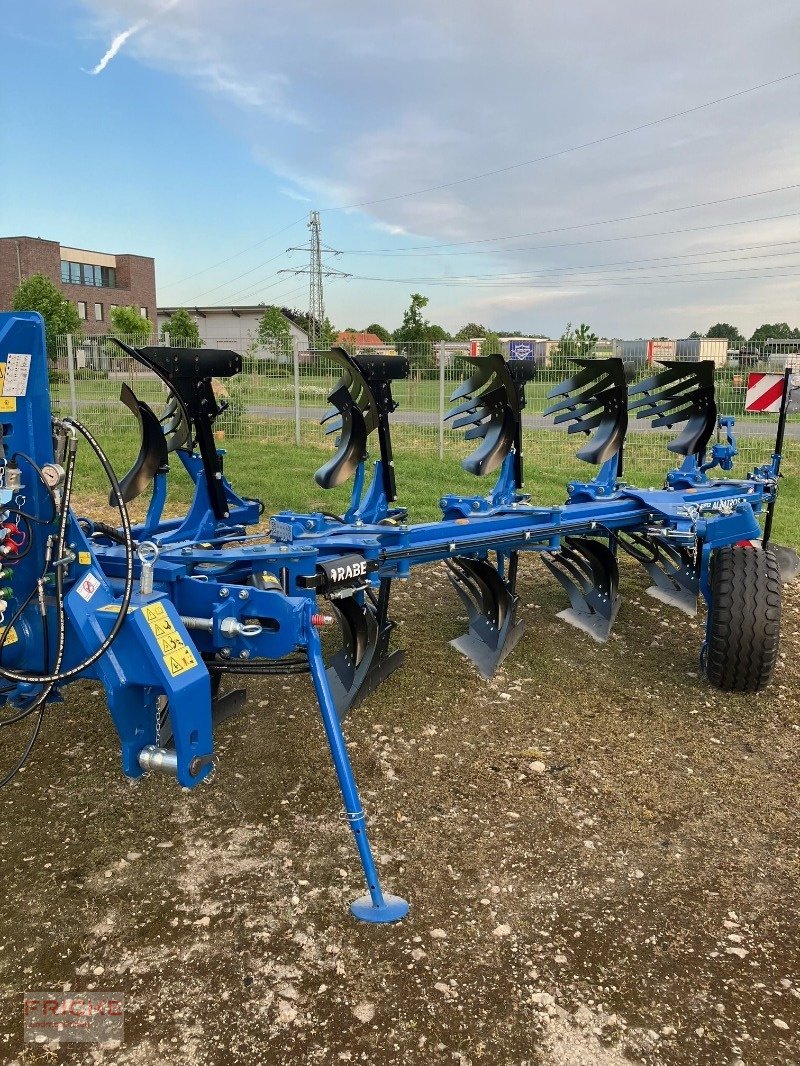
[(282, 396)]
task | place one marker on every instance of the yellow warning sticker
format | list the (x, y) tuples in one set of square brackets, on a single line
[(84, 558), (155, 612), (178, 657), (10, 637), (113, 608), (7, 403), (180, 661)]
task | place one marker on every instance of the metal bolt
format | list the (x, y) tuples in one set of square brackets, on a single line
[(244, 594), (224, 593), (244, 654), (218, 476), (225, 653)]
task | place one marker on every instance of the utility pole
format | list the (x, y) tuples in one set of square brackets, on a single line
[(316, 272), (316, 302)]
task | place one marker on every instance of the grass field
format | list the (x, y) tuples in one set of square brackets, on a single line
[(281, 474), (420, 392)]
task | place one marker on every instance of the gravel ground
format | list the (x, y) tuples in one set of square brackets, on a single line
[(601, 855)]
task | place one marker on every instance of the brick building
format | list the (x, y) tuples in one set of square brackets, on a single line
[(94, 281)]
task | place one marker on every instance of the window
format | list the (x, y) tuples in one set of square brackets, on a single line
[(82, 310), (112, 307), (98, 312), (88, 274), (143, 312)]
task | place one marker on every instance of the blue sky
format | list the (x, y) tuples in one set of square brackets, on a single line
[(215, 127)]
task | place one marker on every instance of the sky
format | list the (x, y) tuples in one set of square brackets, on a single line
[(447, 147)]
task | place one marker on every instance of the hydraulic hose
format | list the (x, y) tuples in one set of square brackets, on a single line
[(59, 675)]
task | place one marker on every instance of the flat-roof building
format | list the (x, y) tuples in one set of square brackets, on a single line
[(94, 281)]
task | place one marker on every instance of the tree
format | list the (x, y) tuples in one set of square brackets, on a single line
[(274, 332), (182, 329), (490, 344), (379, 331), (39, 293), (778, 331), (725, 329), (414, 328), (472, 329), (695, 334), (129, 322), (327, 333), (437, 334), (577, 342)]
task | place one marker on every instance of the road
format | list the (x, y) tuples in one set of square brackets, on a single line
[(746, 427)]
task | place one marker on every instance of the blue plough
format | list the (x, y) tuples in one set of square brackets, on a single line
[(163, 611)]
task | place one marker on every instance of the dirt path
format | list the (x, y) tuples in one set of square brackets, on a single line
[(601, 854)]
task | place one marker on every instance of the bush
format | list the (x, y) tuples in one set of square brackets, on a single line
[(233, 417)]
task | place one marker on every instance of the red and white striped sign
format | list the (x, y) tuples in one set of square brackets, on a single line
[(764, 393)]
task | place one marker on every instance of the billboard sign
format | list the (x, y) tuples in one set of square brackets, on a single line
[(518, 349)]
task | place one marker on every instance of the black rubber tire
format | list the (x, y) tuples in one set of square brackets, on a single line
[(744, 618)]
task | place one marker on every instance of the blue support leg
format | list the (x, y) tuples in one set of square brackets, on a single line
[(375, 906)]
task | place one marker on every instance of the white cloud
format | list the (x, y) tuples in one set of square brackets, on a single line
[(125, 35), (355, 103)]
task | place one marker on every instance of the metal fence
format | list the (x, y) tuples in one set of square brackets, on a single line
[(281, 396)]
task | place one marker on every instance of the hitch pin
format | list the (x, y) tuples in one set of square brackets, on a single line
[(148, 552)]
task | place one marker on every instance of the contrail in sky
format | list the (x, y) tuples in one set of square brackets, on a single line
[(121, 38)]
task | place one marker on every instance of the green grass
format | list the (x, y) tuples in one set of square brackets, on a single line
[(282, 475)]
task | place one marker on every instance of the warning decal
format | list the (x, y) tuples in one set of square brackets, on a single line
[(764, 393), (11, 637), (7, 403), (15, 375), (178, 657), (87, 586)]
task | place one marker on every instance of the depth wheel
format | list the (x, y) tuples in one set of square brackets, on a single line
[(744, 618)]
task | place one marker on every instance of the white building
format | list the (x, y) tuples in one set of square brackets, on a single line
[(693, 349), (232, 327)]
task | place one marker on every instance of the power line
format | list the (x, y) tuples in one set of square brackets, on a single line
[(573, 148), (224, 284), (259, 285), (235, 255), (270, 282), (500, 281), (583, 225), (512, 277), (584, 267), (424, 253)]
